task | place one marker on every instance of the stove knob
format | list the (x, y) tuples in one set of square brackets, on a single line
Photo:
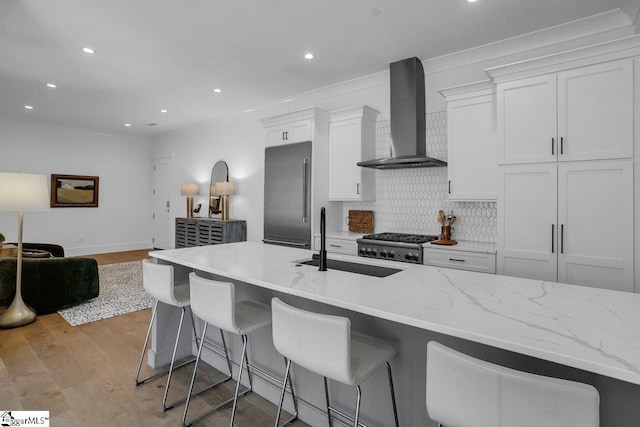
[(361, 251), (392, 254), (407, 256), (383, 254), (415, 257), (368, 251), (374, 252)]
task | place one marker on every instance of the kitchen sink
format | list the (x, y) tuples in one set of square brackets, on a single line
[(353, 267)]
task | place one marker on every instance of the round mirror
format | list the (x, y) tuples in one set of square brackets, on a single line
[(219, 173)]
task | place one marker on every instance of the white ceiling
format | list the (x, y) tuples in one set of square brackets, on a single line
[(154, 54)]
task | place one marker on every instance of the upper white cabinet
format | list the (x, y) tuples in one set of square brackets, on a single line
[(585, 113), (351, 140), (568, 222), (471, 139), (289, 133)]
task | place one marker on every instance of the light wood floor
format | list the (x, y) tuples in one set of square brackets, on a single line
[(84, 375)]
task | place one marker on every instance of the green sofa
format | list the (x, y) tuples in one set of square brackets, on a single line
[(49, 284)]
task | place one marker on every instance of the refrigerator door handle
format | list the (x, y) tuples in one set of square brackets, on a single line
[(305, 195)]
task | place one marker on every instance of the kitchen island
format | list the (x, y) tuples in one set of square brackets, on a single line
[(495, 317)]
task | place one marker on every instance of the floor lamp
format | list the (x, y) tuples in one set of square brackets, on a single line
[(21, 192)]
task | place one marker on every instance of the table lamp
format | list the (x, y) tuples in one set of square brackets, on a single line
[(190, 190), (21, 192), (224, 189)]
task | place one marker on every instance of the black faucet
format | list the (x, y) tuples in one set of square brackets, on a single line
[(323, 238)]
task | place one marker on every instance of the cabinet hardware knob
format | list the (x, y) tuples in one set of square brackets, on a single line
[(457, 260), (561, 238), (449, 186), (553, 140), (561, 145), (553, 234), (358, 189)]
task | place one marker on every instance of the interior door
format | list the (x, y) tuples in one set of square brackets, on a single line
[(162, 221), (527, 213), (595, 216)]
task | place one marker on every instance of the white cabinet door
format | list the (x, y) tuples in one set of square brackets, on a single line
[(595, 111), (345, 151), (351, 140), (526, 120), (291, 133), (527, 213), (471, 156), (595, 216)]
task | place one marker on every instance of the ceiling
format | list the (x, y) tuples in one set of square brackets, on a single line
[(161, 54)]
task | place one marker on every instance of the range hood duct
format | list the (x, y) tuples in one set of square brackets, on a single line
[(408, 129)]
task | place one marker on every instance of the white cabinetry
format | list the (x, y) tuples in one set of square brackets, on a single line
[(584, 113), (338, 245), (471, 139), (569, 222), (289, 133), (309, 124), (351, 140), (460, 260)]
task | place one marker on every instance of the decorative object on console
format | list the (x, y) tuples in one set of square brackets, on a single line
[(219, 173), (224, 189), (360, 221), (196, 210), (2, 239), (74, 191), (190, 190), (21, 192)]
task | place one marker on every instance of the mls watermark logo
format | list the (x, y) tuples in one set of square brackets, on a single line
[(24, 418)]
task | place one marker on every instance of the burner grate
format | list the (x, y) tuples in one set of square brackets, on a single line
[(401, 237)]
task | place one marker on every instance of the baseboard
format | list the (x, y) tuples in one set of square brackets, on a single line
[(104, 249)]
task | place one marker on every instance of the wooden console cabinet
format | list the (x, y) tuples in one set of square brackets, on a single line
[(208, 231)]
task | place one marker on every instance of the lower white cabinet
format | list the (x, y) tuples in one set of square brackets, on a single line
[(569, 223), (337, 246), (461, 260)]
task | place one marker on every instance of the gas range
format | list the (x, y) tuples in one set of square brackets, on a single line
[(394, 246)]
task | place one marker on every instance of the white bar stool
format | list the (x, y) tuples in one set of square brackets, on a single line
[(463, 391), (214, 303), (158, 282), (324, 344)]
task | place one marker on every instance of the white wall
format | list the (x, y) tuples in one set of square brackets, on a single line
[(122, 220)]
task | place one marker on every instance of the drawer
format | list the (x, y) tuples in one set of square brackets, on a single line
[(338, 246), (461, 260)]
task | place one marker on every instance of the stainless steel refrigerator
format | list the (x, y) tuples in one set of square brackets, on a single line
[(287, 195)]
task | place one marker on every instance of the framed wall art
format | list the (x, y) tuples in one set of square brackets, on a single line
[(74, 191)]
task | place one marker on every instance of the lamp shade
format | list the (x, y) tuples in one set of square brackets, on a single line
[(224, 188), (20, 192), (190, 190)]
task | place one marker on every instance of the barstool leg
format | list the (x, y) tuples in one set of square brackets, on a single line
[(193, 377), (326, 396), (393, 395), (146, 341), (284, 387), (173, 361), (357, 417), (235, 398)]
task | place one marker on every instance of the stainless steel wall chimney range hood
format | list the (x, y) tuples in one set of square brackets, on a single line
[(408, 133)]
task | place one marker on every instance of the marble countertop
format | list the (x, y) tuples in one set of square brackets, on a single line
[(596, 330)]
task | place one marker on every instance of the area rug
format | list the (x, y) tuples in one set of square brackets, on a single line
[(121, 292)]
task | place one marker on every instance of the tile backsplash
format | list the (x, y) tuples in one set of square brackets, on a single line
[(408, 200)]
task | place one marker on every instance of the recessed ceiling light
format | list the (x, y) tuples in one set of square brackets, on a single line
[(128, 125), (28, 107), (217, 90), (308, 55), (51, 85), (375, 12), (88, 50), (472, 1), (163, 111)]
